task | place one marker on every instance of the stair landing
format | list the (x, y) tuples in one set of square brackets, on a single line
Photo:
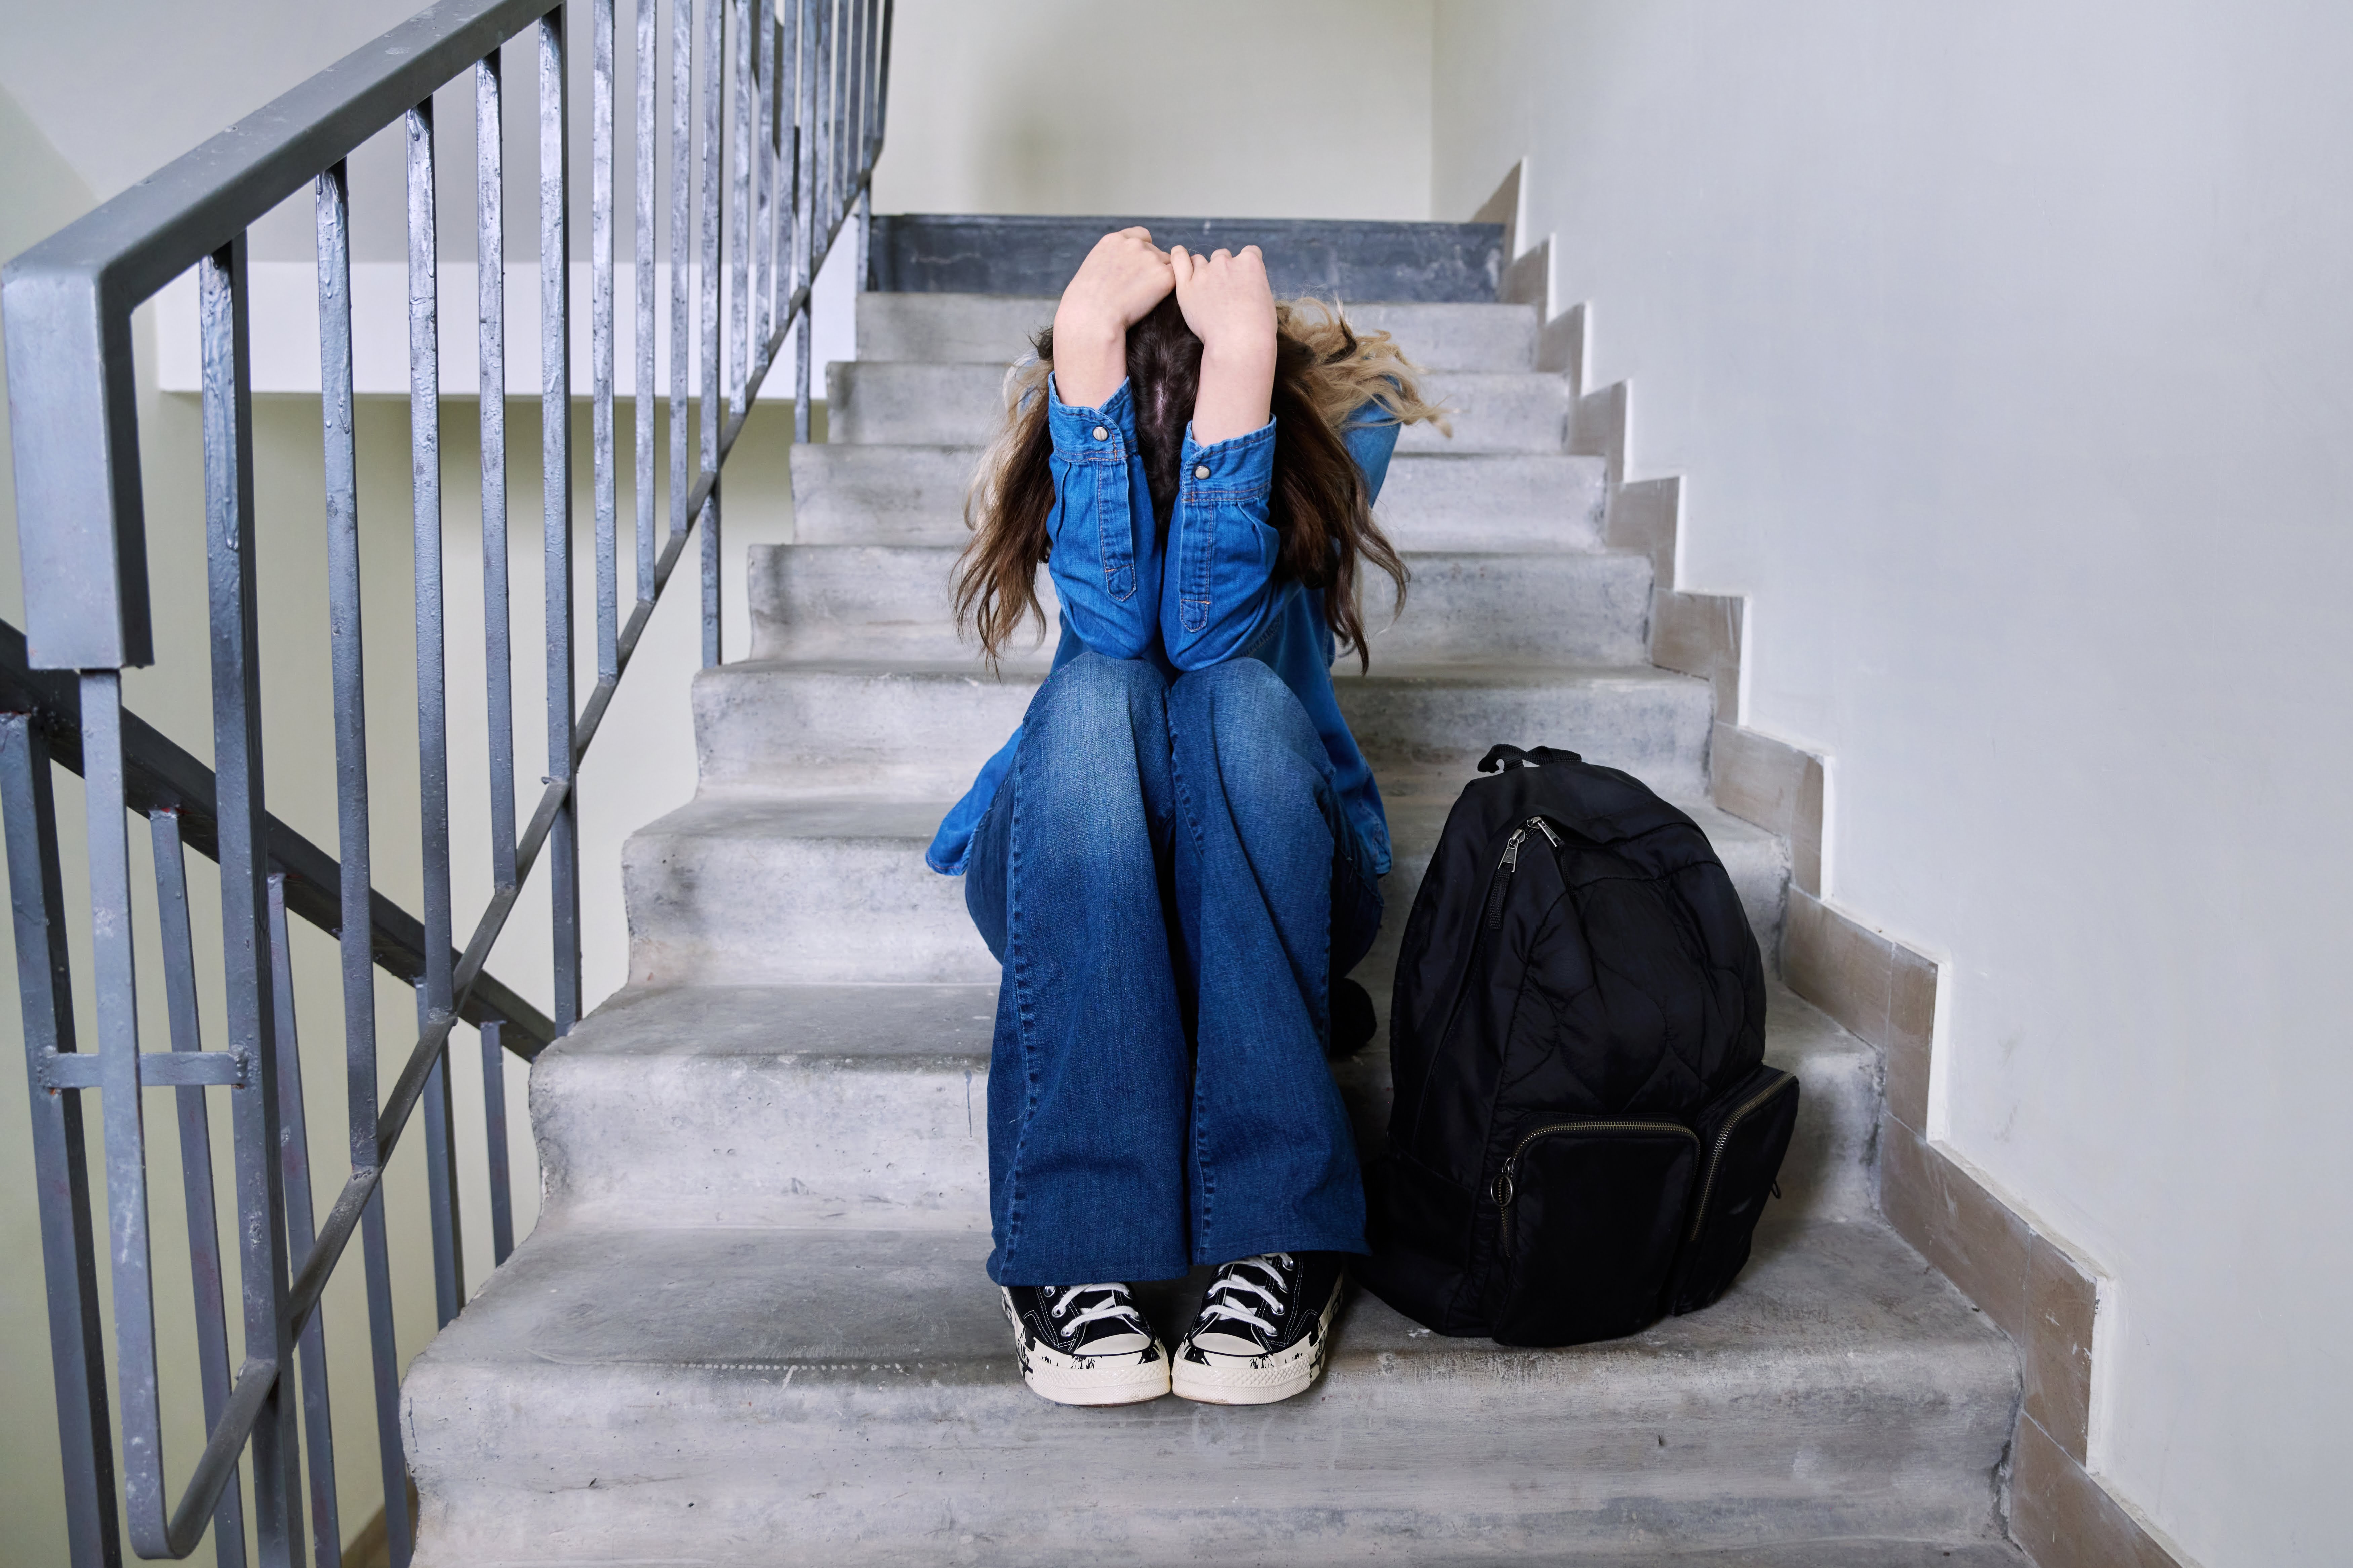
[(851, 1397)]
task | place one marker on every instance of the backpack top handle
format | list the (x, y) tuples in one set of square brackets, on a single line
[(1502, 756)]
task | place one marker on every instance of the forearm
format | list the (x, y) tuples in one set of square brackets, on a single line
[(1237, 394), (1090, 355)]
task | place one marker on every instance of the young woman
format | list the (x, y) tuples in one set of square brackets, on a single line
[(1178, 851)]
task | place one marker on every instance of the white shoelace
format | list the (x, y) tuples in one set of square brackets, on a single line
[(1116, 1305), (1225, 1296)]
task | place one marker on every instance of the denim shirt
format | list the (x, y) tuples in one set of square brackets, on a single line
[(1203, 597)]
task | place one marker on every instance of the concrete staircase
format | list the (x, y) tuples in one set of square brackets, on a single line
[(752, 1326)]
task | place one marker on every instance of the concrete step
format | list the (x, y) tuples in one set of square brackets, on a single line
[(767, 1396), (755, 888), (843, 601), (998, 329), (910, 732), (915, 495), (873, 402), (865, 1106)]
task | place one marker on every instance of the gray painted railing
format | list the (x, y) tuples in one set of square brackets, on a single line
[(778, 178)]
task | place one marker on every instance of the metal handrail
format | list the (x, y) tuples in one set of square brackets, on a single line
[(777, 182)]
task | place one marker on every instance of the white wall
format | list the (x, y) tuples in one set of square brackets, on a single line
[(2005, 349)]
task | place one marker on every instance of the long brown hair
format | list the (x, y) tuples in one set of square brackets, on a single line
[(1321, 508)]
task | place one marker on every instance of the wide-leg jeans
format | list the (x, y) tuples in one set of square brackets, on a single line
[(1170, 883)]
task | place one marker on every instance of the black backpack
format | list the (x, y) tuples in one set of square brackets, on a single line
[(1584, 1131)]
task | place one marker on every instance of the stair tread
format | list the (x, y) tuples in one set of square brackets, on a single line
[(1844, 1301), (1390, 672), (1414, 815), (945, 550), (898, 1026)]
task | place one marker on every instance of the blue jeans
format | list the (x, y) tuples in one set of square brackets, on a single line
[(1170, 883)]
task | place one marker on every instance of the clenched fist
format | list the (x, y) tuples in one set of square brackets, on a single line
[(1230, 309), (1122, 278)]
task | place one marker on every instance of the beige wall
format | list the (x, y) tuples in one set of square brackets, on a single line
[(2002, 350), (1217, 108)]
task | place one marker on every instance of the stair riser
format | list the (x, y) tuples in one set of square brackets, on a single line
[(721, 908), (949, 405), (819, 602), (814, 732), (819, 1467), (995, 329), (810, 1141), (708, 910), (1657, 730), (915, 495)]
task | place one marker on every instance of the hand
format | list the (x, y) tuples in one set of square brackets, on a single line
[(1230, 309), (1116, 287)]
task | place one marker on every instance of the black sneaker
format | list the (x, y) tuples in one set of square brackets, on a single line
[(1085, 1344), (1264, 1330)]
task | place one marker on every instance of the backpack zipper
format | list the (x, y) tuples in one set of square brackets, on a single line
[(1506, 1179), (1505, 867), (1509, 866), (1715, 1155)]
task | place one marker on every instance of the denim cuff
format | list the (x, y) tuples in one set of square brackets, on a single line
[(1239, 464), (1104, 434)]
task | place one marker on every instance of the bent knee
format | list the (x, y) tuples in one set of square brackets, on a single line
[(1093, 692), (1241, 712)]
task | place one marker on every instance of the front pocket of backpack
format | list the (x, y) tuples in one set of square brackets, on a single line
[(1744, 1134), (1590, 1214)]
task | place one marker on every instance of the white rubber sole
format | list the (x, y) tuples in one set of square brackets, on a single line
[(1256, 1380), (1087, 1380), (1097, 1386)]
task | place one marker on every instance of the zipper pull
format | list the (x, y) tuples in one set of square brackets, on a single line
[(1541, 825), (1512, 850), (1510, 865), (1506, 1188)]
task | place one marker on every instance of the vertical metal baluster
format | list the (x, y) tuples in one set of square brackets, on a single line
[(786, 18), (432, 684), (555, 480), (494, 1125), (179, 951), (682, 226), (114, 972), (735, 217), (881, 121), (356, 937), (780, 130), (760, 214), (822, 128), (491, 255), (644, 180), (811, 54), (245, 935), (855, 120), (845, 52), (864, 219), (69, 1253), (714, 91), (605, 456), (440, 1168), (294, 1159)]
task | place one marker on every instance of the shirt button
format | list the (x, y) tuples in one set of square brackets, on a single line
[(1201, 470), (1102, 434)]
